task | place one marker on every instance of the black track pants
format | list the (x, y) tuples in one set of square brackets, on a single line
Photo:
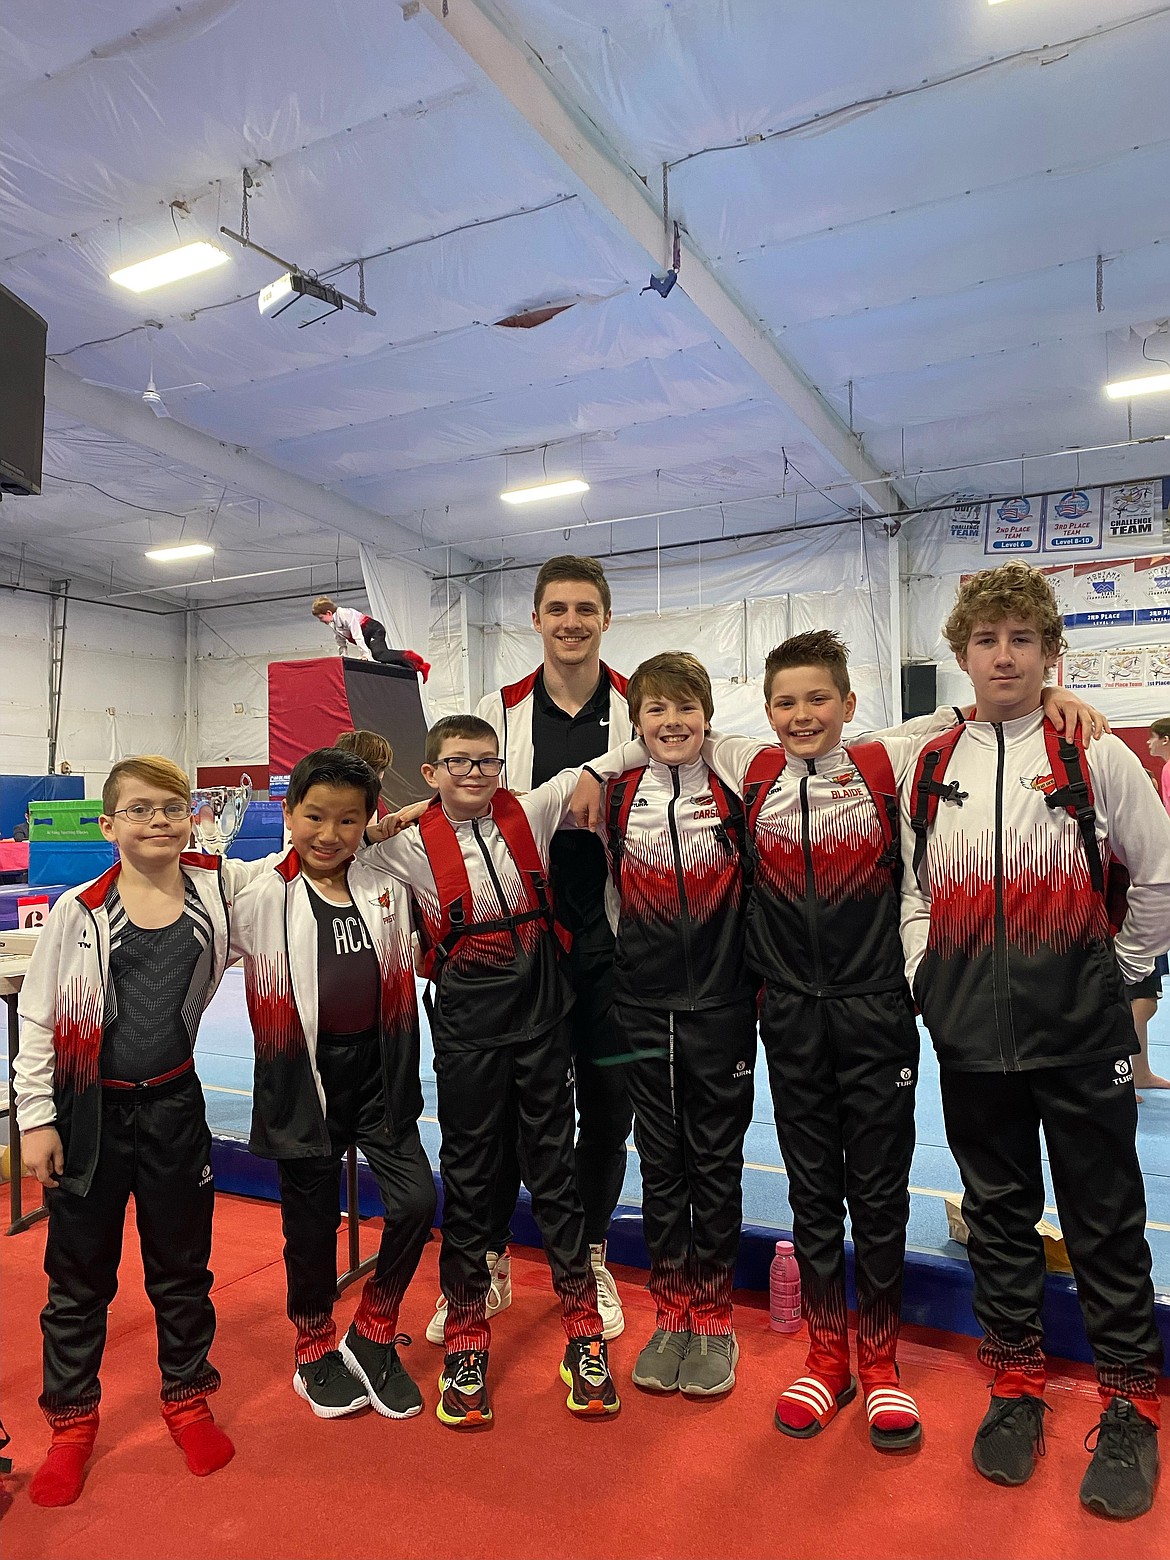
[(478, 1092), (843, 1074), (375, 637), (692, 1089), (1089, 1117), (603, 1105), (310, 1206), (155, 1146)]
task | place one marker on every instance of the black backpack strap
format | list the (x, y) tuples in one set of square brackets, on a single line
[(929, 790), (731, 830)]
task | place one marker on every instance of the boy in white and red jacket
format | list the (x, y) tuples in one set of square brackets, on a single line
[(1010, 841), (325, 942), (109, 1106)]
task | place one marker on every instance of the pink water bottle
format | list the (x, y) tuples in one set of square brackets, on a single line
[(784, 1290)]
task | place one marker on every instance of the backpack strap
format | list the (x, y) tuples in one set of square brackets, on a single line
[(512, 822), (929, 789), (1075, 796), (452, 885), (762, 774), (619, 800), (732, 828), (872, 763)]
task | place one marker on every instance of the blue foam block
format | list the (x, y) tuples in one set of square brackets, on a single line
[(71, 864), (17, 791)]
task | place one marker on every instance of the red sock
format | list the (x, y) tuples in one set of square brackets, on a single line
[(58, 1481), (892, 1414), (810, 1403), (198, 1437)]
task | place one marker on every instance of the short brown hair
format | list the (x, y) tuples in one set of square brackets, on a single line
[(675, 674), (469, 726), (152, 769), (370, 745), (323, 604), (819, 647), (1160, 728), (1012, 589), (566, 567)]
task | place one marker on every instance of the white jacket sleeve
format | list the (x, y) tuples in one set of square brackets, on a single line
[(547, 806), (1138, 830), (615, 762), (392, 856), (915, 907), (730, 756), (34, 1071), (238, 874)]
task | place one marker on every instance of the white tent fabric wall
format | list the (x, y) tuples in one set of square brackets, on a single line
[(728, 603), (400, 598), (129, 662), (233, 649)]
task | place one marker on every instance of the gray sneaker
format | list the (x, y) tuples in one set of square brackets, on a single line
[(709, 1366), (657, 1367)]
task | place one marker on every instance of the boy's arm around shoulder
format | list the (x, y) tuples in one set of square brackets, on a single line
[(730, 756), (395, 856), (33, 1073), (1138, 829)]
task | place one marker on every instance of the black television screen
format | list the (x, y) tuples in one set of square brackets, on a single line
[(22, 395)]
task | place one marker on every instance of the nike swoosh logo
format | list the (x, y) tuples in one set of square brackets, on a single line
[(603, 722)]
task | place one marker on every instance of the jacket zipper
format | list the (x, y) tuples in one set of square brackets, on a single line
[(684, 908), (810, 881), (1000, 977)]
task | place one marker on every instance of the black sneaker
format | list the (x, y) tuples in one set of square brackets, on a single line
[(464, 1403), (328, 1388), (1119, 1482), (391, 1391), (585, 1371), (1010, 1439)]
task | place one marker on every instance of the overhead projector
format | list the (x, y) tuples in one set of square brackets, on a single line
[(303, 294)]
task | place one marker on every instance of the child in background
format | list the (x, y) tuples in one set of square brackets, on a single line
[(478, 868), (1146, 994), (367, 636), (110, 1107), (325, 942)]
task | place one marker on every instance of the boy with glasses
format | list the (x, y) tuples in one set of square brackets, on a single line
[(478, 869)]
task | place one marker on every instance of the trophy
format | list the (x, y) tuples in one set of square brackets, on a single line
[(217, 813)]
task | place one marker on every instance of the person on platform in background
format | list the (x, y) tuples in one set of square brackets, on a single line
[(325, 942), (110, 1107), (1146, 994), (367, 636), (570, 710), (1025, 1002)]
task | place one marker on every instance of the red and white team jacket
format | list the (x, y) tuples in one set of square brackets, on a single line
[(823, 913), (274, 932), (1007, 946), (681, 890), (497, 988), (509, 712), (62, 1004)]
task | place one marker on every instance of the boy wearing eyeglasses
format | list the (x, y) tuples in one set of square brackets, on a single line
[(109, 1106), (477, 866)]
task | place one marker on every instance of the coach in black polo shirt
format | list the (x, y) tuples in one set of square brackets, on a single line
[(573, 708)]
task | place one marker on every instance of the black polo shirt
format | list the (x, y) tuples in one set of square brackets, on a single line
[(577, 860)]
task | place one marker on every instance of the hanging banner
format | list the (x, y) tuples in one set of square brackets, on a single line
[(1132, 509), (965, 521), (1013, 526), (1073, 521), (1128, 666), (1120, 592)]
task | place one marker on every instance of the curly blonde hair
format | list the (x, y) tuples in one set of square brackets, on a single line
[(1015, 590)]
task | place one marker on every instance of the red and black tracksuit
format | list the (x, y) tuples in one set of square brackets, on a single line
[(838, 1029), (684, 1007), (1011, 961), (501, 1036)]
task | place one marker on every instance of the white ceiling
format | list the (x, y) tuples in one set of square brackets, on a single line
[(907, 197)]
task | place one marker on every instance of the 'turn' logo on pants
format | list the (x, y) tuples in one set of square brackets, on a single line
[(905, 1079), (742, 1070), (1123, 1070)]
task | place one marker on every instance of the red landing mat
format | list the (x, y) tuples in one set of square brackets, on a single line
[(668, 1477)]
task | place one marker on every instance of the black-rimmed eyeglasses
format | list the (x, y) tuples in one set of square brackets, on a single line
[(460, 768)]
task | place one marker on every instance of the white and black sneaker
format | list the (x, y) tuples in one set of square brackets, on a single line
[(328, 1387), (391, 1391), (499, 1266)]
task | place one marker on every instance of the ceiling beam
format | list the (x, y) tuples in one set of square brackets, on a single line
[(617, 195), (127, 418)]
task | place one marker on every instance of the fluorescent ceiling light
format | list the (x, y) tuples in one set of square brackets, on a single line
[(187, 260), (184, 550), (545, 490), (1150, 384)]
